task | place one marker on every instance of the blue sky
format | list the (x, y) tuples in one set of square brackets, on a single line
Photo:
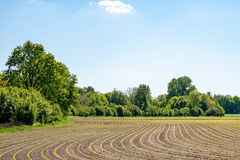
[(120, 44)]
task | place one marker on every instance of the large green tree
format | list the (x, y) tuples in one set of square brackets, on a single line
[(29, 66), (180, 87), (142, 96)]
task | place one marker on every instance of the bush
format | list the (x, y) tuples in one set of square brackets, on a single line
[(113, 107), (135, 110), (184, 111), (151, 111), (120, 111), (26, 106), (25, 113), (114, 110), (85, 111), (123, 111), (127, 112), (49, 113), (196, 111), (164, 112), (214, 112), (73, 110), (176, 112), (109, 111), (100, 111)]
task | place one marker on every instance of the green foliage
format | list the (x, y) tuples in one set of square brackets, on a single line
[(26, 106), (89, 89), (84, 100), (161, 101), (184, 111), (151, 111), (230, 104), (89, 97), (177, 102), (135, 110), (3, 81), (196, 111), (30, 66), (216, 111), (117, 97), (195, 99), (120, 111), (100, 111), (25, 113), (211, 106), (165, 112), (73, 93), (123, 111), (110, 111), (49, 113), (98, 100), (194, 104), (180, 87), (85, 111), (142, 96), (130, 92), (113, 107), (73, 111)]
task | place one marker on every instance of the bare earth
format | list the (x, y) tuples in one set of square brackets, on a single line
[(128, 139)]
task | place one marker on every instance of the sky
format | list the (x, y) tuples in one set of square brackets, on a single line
[(119, 44)]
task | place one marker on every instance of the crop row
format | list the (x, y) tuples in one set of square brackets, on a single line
[(118, 139)]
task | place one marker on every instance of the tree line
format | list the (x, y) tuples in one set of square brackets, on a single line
[(35, 87)]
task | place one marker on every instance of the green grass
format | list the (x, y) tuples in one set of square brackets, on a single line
[(232, 115), (65, 121)]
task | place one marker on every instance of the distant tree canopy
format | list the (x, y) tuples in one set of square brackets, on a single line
[(50, 91), (180, 87), (230, 104), (142, 96), (117, 97)]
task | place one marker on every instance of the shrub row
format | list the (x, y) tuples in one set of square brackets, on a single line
[(132, 110), (26, 107)]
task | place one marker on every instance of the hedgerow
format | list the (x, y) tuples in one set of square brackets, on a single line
[(23, 106)]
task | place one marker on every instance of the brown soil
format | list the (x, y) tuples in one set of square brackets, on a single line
[(118, 139)]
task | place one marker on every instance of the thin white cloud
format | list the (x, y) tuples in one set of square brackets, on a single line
[(115, 6)]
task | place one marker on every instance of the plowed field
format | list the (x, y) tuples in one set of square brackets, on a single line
[(128, 139)]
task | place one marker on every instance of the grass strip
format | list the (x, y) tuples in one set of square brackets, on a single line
[(66, 121)]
